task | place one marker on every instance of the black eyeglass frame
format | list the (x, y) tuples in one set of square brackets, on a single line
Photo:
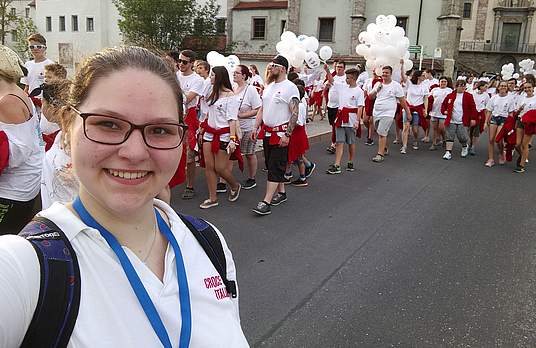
[(141, 128)]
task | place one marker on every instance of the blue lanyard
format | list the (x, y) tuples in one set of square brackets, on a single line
[(137, 285)]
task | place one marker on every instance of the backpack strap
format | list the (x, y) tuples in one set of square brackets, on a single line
[(59, 294), (211, 243)]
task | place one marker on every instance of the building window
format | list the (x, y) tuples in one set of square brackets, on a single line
[(13, 11), (259, 29), (74, 23), (90, 24), (326, 27), (48, 21), (467, 7), (13, 35), (220, 25), (27, 12), (283, 26), (62, 23), (403, 23)]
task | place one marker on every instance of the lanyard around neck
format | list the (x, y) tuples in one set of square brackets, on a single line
[(136, 284)]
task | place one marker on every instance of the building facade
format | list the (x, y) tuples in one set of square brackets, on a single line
[(254, 27), (497, 32)]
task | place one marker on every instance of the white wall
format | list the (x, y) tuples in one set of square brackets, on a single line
[(243, 26)]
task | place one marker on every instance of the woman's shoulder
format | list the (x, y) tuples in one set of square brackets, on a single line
[(14, 108)]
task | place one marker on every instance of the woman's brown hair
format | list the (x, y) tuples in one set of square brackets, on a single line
[(221, 81)]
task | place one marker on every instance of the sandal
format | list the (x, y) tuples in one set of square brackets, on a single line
[(489, 163), (207, 203)]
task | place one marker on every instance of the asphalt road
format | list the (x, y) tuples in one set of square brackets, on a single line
[(414, 252)]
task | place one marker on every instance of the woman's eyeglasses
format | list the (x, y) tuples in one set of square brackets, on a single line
[(110, 130)]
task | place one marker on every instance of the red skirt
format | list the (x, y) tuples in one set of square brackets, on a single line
[(298, 143), (369, 106), (316, 99), (398, 117)]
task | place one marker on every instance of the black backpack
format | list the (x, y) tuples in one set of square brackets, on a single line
[(59, 294)]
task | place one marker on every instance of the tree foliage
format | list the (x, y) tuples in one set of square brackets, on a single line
[(7, 19), (164, 24), (24, 28)]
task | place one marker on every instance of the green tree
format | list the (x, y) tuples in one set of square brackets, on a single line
[(7, 18), (155, 24), (25, 27)]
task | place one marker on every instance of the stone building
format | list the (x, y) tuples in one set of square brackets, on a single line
[(254, 27), (496, 32)]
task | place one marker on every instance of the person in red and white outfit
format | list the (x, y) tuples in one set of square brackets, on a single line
[(192, 88), (460, 108), (333, 99), (482, 98), (278, 116), (347, 122), (21, 155), (435, 100), (417, 100), (499, 107), (526, 124)]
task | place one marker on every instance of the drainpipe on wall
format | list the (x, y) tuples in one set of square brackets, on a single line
[(419, 23)]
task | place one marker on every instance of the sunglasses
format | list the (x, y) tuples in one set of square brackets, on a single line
[(34, 47), (182, 61), (275, 65)]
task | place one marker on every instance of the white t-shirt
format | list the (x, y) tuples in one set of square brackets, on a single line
[(302, 116), (350, 98), (191, 83), (275, 102), (500, 106), (333, 98), (21, 180), (46, 126), (257, 79), (439, 95), (416, 93), (248, 99), (36, 74), (110, 315), (363, 77), (527, 103), (457, 111), (492, 91), (58, 182), (220, 113), (386, 99), (481, 100)]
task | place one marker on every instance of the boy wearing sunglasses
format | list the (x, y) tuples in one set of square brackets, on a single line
[(37, 45)]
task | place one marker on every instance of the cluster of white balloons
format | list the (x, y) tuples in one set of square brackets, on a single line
[(302, 49), (384, 43), (507, 71), (217, 59), (526, 66)]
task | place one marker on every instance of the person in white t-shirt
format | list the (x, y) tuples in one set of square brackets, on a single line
[(124, 146), (278, 116), (256, 78), (525, 127), (192, 88), (386, 95), (21, 153), (249, 103), (333, 99), (481, 98), (347, 122), (438, 95), (417, 100), (498, 108), (36, 67)]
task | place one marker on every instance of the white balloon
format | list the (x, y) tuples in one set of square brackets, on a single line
[(296, 62), (302, 38), (362, 50), (515, 76), (397, 34), (391, 21), (372, 28), (381, 21), (311, 44), (232, 62), (299, 54), (406, 55), (378, 71), (364, 37), (288, 36), (283, 47), (408, 64), (325, 52), (370, 64), (312, 60), (212, 57)]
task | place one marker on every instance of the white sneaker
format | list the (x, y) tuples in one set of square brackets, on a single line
[(465, 151), (447, 156), (403, 150)]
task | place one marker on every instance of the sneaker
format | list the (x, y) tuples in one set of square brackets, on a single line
[(233, 195), (519, 169), (403, 150), (265, 170), (432, 147), (350, 166), (502, 159), (330, 149), (188, 193), (221, 187), (262, 208), (425, 140), (300, 182), (286, 181), (378, 158), (386, 152), (489, 163), (334, 169), (369, 142), (415, 146), (207, 203), (278, 198), (465, 151), (249, 184), (288, 176), (447, 156), (309, 170), (396, 141), (472, 151)]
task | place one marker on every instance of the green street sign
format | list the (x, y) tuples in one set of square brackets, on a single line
[(414, 49)]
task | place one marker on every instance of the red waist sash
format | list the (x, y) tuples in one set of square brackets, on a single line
[(193, 124), (274, 138), (343, 116)]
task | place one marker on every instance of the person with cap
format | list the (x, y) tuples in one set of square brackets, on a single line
[(21, 154), (278, 116)]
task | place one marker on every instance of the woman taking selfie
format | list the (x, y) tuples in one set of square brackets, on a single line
[(143, 273)]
